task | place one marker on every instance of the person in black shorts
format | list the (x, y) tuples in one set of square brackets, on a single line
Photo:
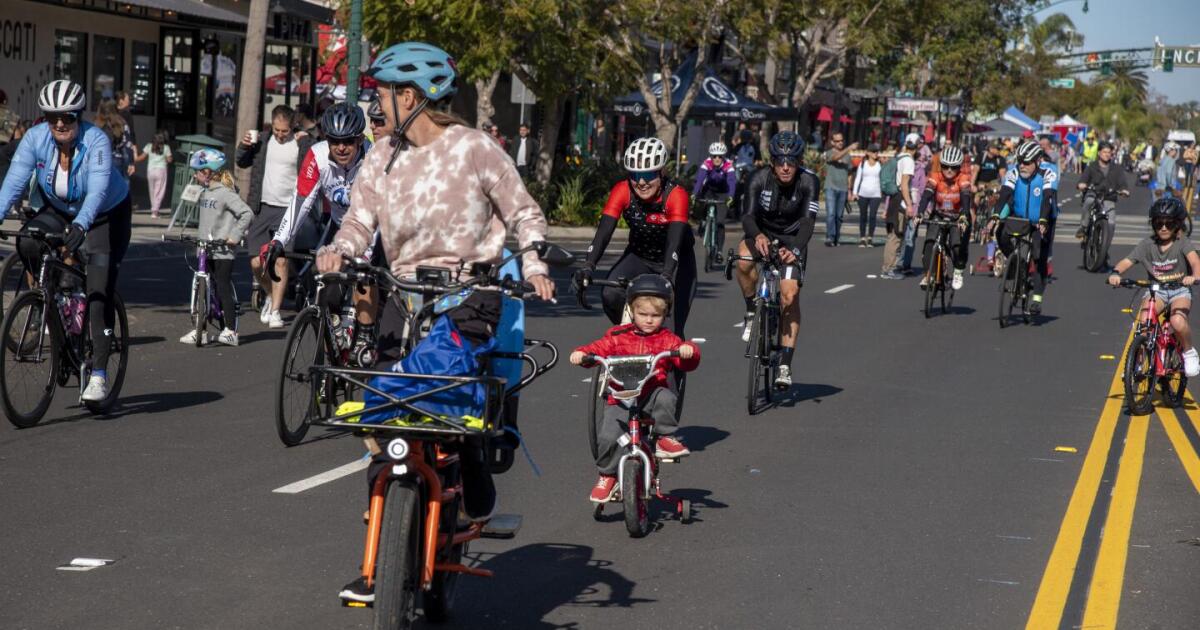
[(780, 205)]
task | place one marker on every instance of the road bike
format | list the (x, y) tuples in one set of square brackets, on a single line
[(1098, 231), (638, 468), (765, 350), (1016, 287), (415, 543), (205, 306), (708, 228), (1153, 356), (45, 339), (939, 275)]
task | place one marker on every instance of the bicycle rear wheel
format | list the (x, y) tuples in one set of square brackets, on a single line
[(1139, 375), (398, 572), (298, 397), (1173, 385), (28, 361), (118, 356)]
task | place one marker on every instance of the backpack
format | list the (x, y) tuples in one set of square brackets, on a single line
[(887, 177)]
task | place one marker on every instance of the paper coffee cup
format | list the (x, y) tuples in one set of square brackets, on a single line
[(253, 136)]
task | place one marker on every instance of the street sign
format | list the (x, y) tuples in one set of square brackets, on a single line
[(912, 104), (1062, 83), (1169, 57)]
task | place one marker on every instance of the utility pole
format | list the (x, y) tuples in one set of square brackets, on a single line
[(248, 115), (354, 55)]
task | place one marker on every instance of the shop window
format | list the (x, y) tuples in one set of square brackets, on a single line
[(70, 56), (142, 79), (277, 78), (108, 67), (177, 91)]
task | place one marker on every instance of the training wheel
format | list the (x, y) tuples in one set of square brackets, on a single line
[(598, 511), (685, 511)]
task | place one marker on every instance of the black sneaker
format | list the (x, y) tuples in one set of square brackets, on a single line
[(1035, 307), (358, 591)]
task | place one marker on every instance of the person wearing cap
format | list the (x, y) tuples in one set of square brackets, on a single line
[(923, 159), (900, 208)]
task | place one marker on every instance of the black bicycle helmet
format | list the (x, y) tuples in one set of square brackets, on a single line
[(652, 285), (1168, 208), (786, 144), (375, 111), (343, 120)]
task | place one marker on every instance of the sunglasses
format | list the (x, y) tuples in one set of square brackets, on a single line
[(378, 122), (341, 142), (785, 161), (643, 178), (1159, 224), (947, 167), (66, 118)]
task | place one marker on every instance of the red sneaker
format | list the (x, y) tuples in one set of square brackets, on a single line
[(670, 448), (605, 489)]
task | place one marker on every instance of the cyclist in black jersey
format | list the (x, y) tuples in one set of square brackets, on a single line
[(780, 204), (660, 238)]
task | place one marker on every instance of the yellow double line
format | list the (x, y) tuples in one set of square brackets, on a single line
[(1103, 594)]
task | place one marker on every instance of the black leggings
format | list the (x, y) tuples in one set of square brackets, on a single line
[(867, 209), (222, 277), (102, 252), (631, 266)]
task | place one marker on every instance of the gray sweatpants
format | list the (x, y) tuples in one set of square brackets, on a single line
[(660, 406)]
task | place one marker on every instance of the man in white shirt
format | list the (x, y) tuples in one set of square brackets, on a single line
[(524, 151), (899, 206)]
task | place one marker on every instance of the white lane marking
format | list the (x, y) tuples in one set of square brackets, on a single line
[(323, 478), (85, 564), (587, 380), (840, 288), (1005, 582), (872, 276), (739, 324)]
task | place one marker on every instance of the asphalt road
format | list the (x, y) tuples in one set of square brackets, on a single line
[(938, 473)]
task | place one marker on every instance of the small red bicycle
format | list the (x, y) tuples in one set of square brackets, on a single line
[(1153, 355)]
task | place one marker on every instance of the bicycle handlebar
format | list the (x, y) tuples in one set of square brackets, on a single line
[(581, 290), (1130, 283), (202, 242), (590, 360), (34, 233)]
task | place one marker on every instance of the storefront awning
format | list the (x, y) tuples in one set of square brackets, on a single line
[(192, 8)]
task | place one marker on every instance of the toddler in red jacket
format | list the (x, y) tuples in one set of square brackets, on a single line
[(645, 335)]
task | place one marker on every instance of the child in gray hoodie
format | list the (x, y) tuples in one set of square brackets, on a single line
[(223, 217)]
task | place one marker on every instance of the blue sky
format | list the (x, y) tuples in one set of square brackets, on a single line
[(1114, 24)]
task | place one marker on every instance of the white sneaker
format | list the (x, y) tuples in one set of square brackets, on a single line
[(97, 389), (228, 337), (747, 323), (957, 281), (264, 314), (783, 380), (924, 281), (1191, 363), (190, 338), (275, 320)]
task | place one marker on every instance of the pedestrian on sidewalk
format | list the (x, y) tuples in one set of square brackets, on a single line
[(837, 174), (866, 190), (160, 158), (524, 151), (900, 205), (922, 158)]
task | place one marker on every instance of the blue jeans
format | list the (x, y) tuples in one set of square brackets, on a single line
[(835, 205)]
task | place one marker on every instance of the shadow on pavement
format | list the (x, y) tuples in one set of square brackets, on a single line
[(142, 403), (145, 340), (534, 581), (803, 392), (263, 335), (699, 438)]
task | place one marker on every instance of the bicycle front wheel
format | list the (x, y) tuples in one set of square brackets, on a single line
[(398, 573), (755, 356), (118, 357), (299, 394), (1094, 250), (1139, 375), (1008, 290), (637, 508), (200, 308), (13, 281), (28, 361)]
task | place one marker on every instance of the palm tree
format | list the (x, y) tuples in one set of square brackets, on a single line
[(1056, 33), (1126, 79)]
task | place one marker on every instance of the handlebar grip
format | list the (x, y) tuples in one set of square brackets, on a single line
[(589, 360), (270, 264)]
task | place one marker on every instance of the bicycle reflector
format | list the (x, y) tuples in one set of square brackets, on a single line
[(397, 449)]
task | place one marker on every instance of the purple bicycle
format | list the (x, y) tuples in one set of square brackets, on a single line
[(205, 306)]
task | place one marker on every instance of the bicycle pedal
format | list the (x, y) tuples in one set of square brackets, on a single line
[(502, 526)]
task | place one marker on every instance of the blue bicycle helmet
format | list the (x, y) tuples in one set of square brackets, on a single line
[(424, 66), (786, 144), (207, 158)]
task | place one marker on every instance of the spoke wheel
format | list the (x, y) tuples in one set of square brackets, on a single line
[(754, 354), (118, 357), (29, 361), (298, 396), (637, 509), (1139, 375), (397, 570), (13, 281)]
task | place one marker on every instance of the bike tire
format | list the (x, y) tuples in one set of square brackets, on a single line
[(1007, 290), (397, 569), (438, 601), (637, 508), (13, 281), (200, 308), (297, 396), (772, 349), (25, 310), (1094, 250), (1173, 385), (945, 291), (119, 349), (754, 360), (1139, 371), (1021, 285), (596, 403)]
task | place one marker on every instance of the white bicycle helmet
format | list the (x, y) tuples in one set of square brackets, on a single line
[(1029, 151), (717, 148), (61, 96), (951, 156), (646, 155)]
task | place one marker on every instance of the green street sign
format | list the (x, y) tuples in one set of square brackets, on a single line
[(1068, 84), (1170, 57)]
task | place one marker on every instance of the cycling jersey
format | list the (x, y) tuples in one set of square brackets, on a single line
[(320, 178), (950, 197), (648, 221), (989, 168), (1033, 198), (777, 210), (713, 179), (94, 185)]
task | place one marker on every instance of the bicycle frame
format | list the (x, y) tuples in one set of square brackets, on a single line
[(1159, 330)]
